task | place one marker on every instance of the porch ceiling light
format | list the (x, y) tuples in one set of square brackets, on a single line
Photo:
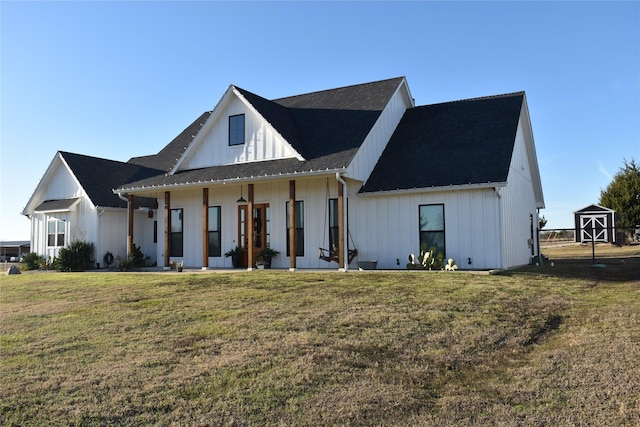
[(241, 200)]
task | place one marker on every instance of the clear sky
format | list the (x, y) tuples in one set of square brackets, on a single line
[(122, 79)]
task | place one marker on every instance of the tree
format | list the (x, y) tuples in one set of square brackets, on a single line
[(623, 196)]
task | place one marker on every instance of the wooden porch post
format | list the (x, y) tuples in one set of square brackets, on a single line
[(130, 228), (167, 224), (341, 249), (205, 228), (292, 225), (250, 255)]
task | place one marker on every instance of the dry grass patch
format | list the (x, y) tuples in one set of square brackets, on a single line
[(279, 348)]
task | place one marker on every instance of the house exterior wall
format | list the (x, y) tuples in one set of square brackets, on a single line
[(518, 208), (374, 144), (386, 228), (312, 191), (261, 141)]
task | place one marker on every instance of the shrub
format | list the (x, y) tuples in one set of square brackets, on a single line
[(135, 260), (31, 261), (78, 256)]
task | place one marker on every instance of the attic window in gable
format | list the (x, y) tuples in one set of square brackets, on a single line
[(236, 130)]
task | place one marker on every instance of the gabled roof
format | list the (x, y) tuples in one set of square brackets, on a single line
[(594, 209), (98, 177), (337, 121), (457, 143), (166, 158), (325, 127)]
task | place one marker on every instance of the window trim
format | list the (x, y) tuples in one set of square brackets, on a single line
[(172, 249), (234, 132), (299, 230), (59, 231), (218, 225), (434, 231)]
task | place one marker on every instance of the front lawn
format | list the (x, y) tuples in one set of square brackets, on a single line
[(363, 348)]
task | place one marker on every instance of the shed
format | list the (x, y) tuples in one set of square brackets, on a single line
[(13, 250), (595, 223)]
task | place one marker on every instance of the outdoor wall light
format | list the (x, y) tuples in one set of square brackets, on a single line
[(241, 199)]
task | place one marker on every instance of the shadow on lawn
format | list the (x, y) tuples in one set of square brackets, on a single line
[(606, 269)]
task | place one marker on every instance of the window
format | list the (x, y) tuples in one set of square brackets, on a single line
[(175, 235), (334, 238), (299, 225), (236, 129), (55, 233), (214, 232), (432, 227), (155, 231)]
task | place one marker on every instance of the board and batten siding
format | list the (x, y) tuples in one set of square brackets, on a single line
[(212, 148), (387, 227), (312, 191), (374, 144), (518, 202)]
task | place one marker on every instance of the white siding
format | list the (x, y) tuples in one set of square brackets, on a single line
[(517, 204), (386, 229), (275, 193), (262, 142), (374, 144)]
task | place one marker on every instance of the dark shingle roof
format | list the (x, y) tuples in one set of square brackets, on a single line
[(167, 158), (331, 122), (455, 143), (325, 127), (98, 177), (56, 205)]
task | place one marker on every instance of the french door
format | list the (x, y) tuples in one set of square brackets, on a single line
[(261, 230)]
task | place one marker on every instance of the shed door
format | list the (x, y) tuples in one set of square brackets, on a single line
[(593, 227)]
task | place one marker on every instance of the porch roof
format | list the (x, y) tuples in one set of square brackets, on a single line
[(234, 172)]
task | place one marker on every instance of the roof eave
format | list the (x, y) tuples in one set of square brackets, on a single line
[(204, 183), (435, 189)]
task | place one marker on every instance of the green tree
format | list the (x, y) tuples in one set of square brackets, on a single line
[(623, 196)]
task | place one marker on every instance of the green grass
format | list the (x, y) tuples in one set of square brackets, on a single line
[(537, 346)]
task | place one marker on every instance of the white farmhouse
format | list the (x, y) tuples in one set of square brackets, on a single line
[(328, 179)]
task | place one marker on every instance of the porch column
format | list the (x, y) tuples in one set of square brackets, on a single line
[(205, 228), (130, 228), (292, 225), (167, 224), (250, 255), (341, 249)]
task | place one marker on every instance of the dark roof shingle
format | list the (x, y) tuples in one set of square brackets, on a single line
[(454, 143), (98, 177)]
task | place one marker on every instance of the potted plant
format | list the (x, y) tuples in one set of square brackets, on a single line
[(266, 255), (235, 254)]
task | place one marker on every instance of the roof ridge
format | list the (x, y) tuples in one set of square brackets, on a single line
[(477, 98), (63, 153), (336, 88)]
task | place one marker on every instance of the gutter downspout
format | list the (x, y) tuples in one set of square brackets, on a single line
[(345, 250)]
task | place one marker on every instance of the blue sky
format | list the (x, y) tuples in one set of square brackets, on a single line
[(121, 79)]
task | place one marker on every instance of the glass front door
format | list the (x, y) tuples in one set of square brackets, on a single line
[(261, 230)]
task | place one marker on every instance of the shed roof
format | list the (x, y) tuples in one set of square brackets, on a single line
[(57, 205)]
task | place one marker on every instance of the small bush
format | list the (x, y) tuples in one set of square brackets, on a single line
[(31, 261), (78, 256), (135, 260)]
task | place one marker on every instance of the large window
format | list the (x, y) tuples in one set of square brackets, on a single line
[(55, 233), (236, 129), (334, 237), (299, 225), (214, 232), (176, 233), (432, 227)]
